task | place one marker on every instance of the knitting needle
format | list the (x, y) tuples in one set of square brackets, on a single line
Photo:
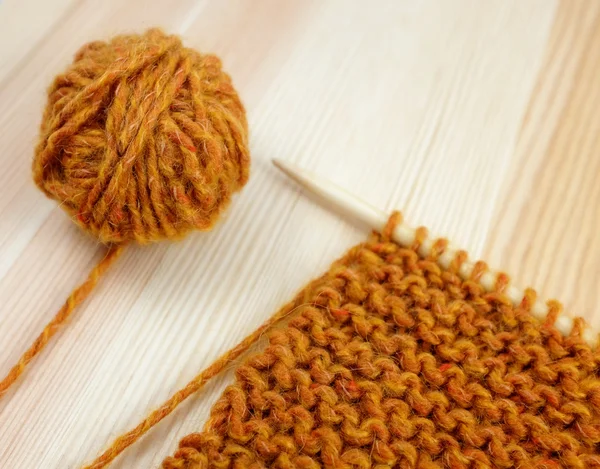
[(404, 235)]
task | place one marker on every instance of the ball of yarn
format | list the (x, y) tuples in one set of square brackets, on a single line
[(142, 139)]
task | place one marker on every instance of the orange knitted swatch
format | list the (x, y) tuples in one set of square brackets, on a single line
[(391, 361)]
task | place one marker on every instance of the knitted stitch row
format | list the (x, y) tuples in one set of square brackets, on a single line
[(393, 362)]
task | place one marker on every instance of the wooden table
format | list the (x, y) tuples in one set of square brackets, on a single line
[(478, 119)]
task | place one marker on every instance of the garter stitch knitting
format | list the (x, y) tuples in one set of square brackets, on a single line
[(391, 361), (142, 139)]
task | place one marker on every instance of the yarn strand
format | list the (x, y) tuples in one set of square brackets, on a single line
[(127, 439), (64, 313)]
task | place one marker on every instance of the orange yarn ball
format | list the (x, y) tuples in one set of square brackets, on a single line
[(142, 139)]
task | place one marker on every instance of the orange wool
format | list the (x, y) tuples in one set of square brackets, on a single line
[(390, 361), (142, 139)]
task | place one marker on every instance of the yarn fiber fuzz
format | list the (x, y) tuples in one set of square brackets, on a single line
[(391, 361), (142, 139)]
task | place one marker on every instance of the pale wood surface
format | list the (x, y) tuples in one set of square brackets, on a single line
[(479, 119)]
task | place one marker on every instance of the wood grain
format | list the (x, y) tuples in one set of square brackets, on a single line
[(477, 119), (23, 25), (545, 231)]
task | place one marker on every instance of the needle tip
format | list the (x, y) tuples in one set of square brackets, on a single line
[(288, 169), (279, 164)]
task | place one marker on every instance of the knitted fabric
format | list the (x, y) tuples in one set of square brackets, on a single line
[(391, 361)]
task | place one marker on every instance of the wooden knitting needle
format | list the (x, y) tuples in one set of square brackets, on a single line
[(404, 235)]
